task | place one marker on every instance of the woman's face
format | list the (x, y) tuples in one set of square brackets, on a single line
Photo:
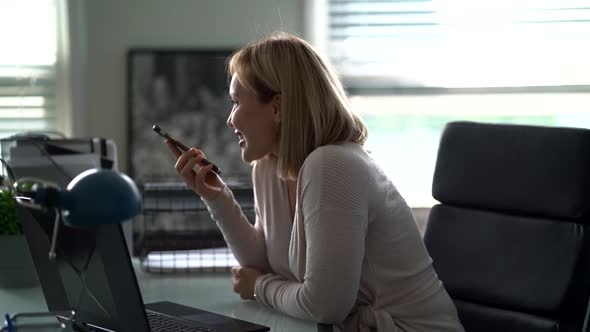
[(256, 124)]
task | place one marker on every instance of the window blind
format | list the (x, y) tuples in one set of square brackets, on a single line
[(454, 43), (28, 34)]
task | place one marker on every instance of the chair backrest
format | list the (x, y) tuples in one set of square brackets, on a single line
[(510, 238)]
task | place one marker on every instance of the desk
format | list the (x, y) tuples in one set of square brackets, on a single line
[(208, 291)]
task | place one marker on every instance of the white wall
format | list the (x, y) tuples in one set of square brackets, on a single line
[(110, 27)]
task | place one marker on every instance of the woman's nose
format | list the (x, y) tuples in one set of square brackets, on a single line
[(229, 120)]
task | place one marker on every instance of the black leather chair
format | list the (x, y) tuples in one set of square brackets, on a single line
[(510, 238)]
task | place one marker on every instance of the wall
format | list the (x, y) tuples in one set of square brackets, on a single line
[(111, 27)]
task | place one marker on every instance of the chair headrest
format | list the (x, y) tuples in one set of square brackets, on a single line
[(529, 170)]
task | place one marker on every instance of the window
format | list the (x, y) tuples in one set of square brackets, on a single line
[(28, 33), (410, 66), (461, 43)]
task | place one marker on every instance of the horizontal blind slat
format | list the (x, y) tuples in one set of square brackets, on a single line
[(405, 40), (27, 91), (26, 113), (18, 125)]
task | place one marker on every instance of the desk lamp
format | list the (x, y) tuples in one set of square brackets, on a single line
[(94, 197)]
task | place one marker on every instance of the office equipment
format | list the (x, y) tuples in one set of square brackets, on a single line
[(93, 277), (510, 238), (56, 160), (93, 197), (175, 232), (90, 272)]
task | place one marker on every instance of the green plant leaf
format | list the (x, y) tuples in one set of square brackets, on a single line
[(9, 223)]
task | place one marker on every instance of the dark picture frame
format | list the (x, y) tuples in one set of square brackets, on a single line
[(185, 92)]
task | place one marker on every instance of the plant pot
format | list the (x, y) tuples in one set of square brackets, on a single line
[(16, 265)]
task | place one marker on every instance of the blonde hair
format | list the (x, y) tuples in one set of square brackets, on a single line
[(315, 109)]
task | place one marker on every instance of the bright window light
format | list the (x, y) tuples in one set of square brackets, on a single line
[(404, 131), (462, 43), (22, 113), (28, 32), (28, 61), (22, 101)]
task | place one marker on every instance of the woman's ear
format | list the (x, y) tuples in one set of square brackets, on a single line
[(277, 102)]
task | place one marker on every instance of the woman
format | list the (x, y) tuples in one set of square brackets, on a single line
[(334, 242)]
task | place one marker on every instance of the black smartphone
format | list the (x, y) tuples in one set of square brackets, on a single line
[(182, 146)]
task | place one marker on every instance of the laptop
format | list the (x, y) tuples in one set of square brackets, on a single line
[(93, 278)]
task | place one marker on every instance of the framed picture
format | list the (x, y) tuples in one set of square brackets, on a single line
[(184, 92)]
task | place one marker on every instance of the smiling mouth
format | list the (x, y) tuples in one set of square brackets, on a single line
[(241, 139)]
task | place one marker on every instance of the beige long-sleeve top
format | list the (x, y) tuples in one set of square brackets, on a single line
[(352, 256)]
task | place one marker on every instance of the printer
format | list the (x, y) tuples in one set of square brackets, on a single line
[(56, 160)]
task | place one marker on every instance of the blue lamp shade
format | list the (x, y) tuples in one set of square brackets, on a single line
[(97, 197)]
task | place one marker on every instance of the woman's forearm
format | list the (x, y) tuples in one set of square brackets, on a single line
[(246, 241)]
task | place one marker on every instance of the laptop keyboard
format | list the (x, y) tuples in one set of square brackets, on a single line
[(162, 323)]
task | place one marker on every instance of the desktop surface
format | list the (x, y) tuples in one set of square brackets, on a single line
[(208, 291)]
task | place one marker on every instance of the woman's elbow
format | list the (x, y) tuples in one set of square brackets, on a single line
[(330, 310), (334, 315)]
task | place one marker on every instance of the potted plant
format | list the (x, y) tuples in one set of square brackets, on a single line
[(16, 266)]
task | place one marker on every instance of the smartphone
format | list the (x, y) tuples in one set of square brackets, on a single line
[(182, 146)]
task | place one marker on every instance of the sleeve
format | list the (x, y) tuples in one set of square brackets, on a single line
[(335, 209), (246, 241)]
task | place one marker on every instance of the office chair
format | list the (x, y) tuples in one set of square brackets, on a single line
[(510, 238)]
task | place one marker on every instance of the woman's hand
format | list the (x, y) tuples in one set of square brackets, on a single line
[(204, 181), (243, 280)]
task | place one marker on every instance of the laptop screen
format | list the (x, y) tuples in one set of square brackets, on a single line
[(91, 275)]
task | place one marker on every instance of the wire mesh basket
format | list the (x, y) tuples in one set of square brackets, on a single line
[(175, 232)]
